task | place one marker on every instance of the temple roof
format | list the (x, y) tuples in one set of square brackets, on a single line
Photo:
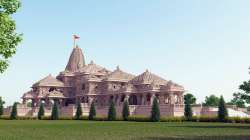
[(148, 78), (28, 95), (92, 68), (49, 81), (171, 86), (76, 60), (119, 75)]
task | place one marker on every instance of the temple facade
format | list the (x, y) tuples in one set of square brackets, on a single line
[(87, 83)]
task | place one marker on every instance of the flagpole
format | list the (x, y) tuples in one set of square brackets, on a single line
[(74, 42)]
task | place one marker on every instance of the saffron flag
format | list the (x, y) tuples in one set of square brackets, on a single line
[(76, 37)]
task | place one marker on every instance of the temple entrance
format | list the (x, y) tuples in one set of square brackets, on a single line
[(133, 100), (69, 101)]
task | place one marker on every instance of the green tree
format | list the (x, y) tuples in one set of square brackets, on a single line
[(112, 111), (55, 112), (92, 111), (1, 106), (125, 111), (188, 113), (244, 92), (40, 112), (190, 97), (155, 112), (222, 110), (9, 39), (13, 114), (78, 111), (211, 100), (237, 101), (248, 108)]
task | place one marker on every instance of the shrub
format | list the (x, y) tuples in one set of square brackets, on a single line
[(125, 111), (55, 112), (247, 120), (155, 112), (98, 118), (137, 118), (222, 112), (112, 112), (92, 111), (40, 112), (78, 111), (208, 119), (172, 119), (4, 117), (26, 118), (13, 114)]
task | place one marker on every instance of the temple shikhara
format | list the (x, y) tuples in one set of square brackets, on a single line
[(87, 83)]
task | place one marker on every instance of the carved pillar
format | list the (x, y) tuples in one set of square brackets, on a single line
[(142, 99), (118, 100), (152, 99), (46, 102), (161, 99), (126, 98), (182, 99), (171, 98), (90, 100)]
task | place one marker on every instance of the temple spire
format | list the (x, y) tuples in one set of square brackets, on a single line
[(76, 60)]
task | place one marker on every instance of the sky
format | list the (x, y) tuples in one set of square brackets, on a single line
[(202, 45)]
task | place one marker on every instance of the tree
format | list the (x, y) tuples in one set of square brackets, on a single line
[(9, 39), (78, 111), (237, 101), (222, 110), (155, 112), (244, 93), (1, 106), (92, 111), (188, 108), (125, 111), (190, 97), (13, 114), (211, 100), (55, 112), (112, 111), (40, 112), (248, 108)]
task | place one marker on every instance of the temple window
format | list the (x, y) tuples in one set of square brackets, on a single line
[(122, 98), (83, 86), (148, 97), (52, 89)]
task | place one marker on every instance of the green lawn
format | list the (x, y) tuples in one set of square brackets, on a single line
[(87, 130)]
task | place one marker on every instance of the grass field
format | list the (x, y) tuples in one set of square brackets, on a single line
[(87, 130)]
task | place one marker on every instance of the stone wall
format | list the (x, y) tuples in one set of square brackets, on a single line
[(69, 111)]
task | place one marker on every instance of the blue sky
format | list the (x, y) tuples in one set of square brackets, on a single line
[(202, 45)]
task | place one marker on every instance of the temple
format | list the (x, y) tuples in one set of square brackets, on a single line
[(87, 83)]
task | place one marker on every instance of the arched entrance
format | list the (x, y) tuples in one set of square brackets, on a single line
[(133, 100)]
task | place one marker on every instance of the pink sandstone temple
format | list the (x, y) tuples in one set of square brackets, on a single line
[(89, 83)]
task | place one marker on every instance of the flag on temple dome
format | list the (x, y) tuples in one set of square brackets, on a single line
[(76, 37)]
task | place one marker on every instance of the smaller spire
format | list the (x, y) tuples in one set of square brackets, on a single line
[(117, 67), (147, 70), (91, 62)]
